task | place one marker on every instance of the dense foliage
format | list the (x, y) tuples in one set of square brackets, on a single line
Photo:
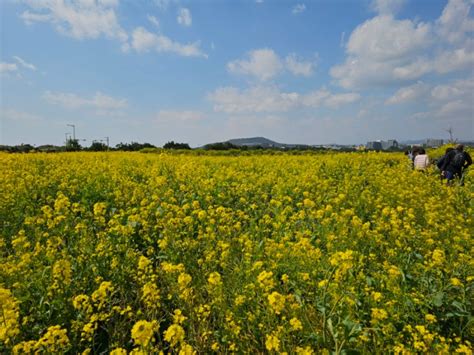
[(175, 145), (139, 252)]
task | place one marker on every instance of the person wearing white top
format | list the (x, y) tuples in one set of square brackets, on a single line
[(422, 161)]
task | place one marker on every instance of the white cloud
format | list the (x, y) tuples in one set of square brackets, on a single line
[(30, 18), (387, 51), (8, 67), (316, 98), (270, 99), (446, 61), (386, 7), (342, 42), (144, 41), (163, 4), (452, 101), (256, 99), (413, 70), (456, 111), (459, 89), (324, 97), (338, 100), (105, 102), (384, 38), (264, 64), (79, 19), (100, 102), (178, 116), (24, 63), (298, 8), (298, 67), (357, 73), (454, 60), (377, 47), (184, 17), (153, 20), (444, 92), (408, 93), (454, 23), (456, 107), (19, 116)]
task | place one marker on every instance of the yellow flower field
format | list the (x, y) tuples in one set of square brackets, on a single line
[(149, 253)]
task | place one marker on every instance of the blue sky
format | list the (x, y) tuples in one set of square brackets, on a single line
[(314, 72)]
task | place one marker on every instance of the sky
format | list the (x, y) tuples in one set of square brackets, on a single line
[(203, 71)]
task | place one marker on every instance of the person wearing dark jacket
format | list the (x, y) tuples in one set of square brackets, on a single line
[(441, 160), (455, 163)]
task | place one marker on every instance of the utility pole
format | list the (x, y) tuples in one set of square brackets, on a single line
[(107, 138), (73, 131), (450, 131)]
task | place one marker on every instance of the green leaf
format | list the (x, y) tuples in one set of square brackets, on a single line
[(438, 299), (459, 306), (331, 330)]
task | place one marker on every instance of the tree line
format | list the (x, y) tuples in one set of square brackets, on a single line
[(73, 145)]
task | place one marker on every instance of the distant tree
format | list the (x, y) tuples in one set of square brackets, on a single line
[(25, 148), (133, 147), (98, 147), (220, 146), (122, 146), (173, 145), (72, 145), (49, 148), (22, 148)]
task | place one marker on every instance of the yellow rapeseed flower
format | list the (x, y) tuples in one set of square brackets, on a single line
[(143, 331), (214, 279), (296, 324), (304, 351), (55, 340), (9, 326), (272, 343), (378, 315), (276, 301), (174, 334), (178, 317)]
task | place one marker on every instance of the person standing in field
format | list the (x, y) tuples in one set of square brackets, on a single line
[(421, 160), (455, 164), (441, 160), (414, 152)]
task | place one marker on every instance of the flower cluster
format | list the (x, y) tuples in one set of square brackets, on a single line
[(183, 253)]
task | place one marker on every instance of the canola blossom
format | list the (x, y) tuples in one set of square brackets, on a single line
[(185, 253)]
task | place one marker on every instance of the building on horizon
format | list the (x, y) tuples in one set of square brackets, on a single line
[(382, 145), (391, 143), (434, 143)]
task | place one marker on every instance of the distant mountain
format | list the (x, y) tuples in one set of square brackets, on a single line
[(256, 141), (268, 143)]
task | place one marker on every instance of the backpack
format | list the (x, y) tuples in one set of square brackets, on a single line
[(440, 162), (458, 160)]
